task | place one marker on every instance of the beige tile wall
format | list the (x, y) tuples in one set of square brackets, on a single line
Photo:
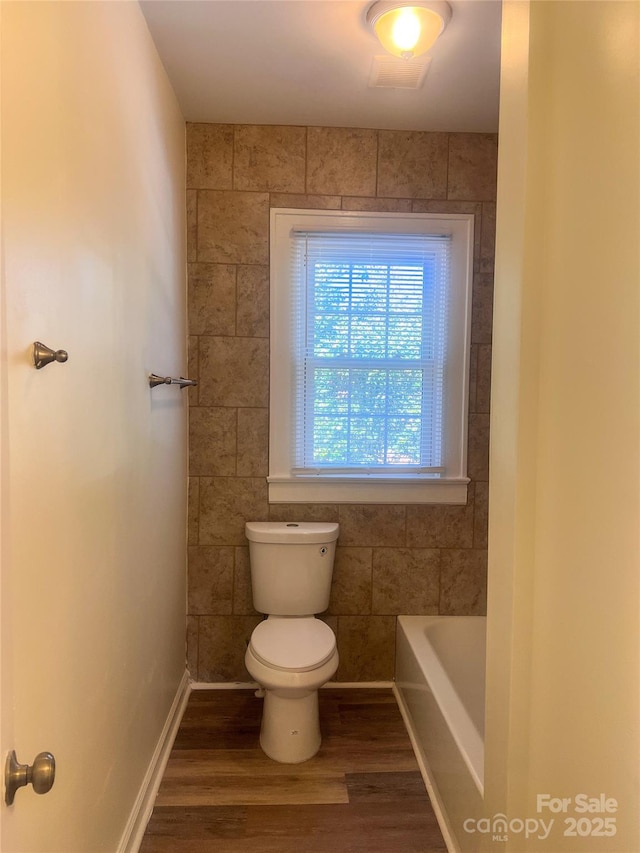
[(390, 559)]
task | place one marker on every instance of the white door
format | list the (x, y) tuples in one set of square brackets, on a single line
[(93, 485), (46, 523)]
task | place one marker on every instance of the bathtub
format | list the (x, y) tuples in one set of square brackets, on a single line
[(440, 673)]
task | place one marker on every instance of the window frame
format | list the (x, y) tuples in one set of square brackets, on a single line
[(288, 487)]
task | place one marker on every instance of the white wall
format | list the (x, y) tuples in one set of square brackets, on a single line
[(94, 462), (564, 558)]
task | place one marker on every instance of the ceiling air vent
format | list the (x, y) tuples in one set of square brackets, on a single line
[(389, 72)]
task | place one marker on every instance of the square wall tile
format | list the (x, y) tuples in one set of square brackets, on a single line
[(412, 164), (192, 646), (209, 156), (234, 372), (473, 166), (488, 246), (473, 377), (242, 592), (440, 525), (193, 362), (483, 390), (252, 308), (210, 579), (351, 585), (372, 524), (482, 309), (269, 158), (406, 580), (481, 516), (341, 161), (226, 504), (194, 510), (192, 225), (233, 227), (222, 645), (478, 447), (253, 443), (212, 441), (367, 646), (463, 583), (212, 299)]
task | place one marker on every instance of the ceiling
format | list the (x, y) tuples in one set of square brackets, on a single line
[(308, 62)]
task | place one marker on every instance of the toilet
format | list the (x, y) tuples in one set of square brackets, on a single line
[(291, 654)]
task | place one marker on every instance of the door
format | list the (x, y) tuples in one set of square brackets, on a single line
[(51, 463), (93, 475)]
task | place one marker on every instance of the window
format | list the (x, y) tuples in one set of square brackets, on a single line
[(370, 317)]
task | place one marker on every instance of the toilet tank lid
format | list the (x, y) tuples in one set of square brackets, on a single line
[(299, 532)]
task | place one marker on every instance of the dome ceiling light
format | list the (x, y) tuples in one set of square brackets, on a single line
[(408, 29)]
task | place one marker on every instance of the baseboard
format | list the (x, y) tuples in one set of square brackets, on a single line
[(143, 806), (253, 685)]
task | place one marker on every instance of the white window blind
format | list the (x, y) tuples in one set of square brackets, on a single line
[(369, 342)]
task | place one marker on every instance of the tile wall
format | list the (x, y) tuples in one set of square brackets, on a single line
[(390, 559)]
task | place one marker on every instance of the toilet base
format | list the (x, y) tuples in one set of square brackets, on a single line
[(290, 729)]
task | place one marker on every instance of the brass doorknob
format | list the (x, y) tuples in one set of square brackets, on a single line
[(41, 774)]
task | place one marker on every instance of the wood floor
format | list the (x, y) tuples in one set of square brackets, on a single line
[(362, 793)]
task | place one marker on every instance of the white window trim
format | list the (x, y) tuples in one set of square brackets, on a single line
[(284, 487)]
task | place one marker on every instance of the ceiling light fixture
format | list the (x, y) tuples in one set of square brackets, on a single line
[(408, 29)]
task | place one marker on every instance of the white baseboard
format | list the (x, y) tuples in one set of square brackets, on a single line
[(224, 685), (253, 685), (143, 806), (357, 685)]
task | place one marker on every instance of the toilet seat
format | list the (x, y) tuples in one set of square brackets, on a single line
[(296, 644)]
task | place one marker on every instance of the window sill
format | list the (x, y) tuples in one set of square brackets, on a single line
[(369, 490)]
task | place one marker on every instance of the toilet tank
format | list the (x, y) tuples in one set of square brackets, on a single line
[(291, 565)]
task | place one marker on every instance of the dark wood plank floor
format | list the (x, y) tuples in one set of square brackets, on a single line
[(362, 792)]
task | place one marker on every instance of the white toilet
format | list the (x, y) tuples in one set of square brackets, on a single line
[(291, 653)]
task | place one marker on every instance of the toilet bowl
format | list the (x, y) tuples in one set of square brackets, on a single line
[(291, 654), (291, 658)]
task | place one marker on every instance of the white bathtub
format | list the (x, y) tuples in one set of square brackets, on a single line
[(440, 674)]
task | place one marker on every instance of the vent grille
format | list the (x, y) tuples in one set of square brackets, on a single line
[(388, 72)]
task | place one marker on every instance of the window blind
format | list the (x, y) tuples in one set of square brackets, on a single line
[(370, 339)]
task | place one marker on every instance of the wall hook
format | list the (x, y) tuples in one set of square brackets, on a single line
[(44, 355)]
